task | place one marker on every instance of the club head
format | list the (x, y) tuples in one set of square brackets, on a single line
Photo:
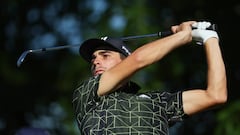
[(22, 57)]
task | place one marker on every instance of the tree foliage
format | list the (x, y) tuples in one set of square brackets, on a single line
[(38, 94)]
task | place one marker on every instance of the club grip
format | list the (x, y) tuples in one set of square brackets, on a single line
[(165, 33), (168, 33)]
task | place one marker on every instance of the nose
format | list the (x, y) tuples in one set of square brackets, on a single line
[(96, 61)]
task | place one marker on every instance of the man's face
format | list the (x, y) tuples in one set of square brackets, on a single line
[(103, 60)]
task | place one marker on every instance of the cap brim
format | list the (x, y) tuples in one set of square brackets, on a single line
[(89, 46)]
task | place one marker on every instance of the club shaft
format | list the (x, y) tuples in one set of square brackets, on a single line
[(158, 34), (25, 53)]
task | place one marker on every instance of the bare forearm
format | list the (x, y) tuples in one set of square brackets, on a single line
[(154, 51), (198, 100), (217, 84)]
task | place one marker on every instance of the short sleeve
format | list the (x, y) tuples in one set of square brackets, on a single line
[(173, 105), (85, 96)]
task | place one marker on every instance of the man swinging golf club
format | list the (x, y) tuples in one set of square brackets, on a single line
[(109, 103)]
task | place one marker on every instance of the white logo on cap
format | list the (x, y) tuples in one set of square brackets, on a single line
[(126, 50), (104, 38)]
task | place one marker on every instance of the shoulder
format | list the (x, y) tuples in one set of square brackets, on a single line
[(87, 89), (87, 86), (93, 80)]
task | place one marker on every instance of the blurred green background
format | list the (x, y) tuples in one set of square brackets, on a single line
[(38, 93)]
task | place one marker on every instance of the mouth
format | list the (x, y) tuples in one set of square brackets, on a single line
[(98, 71)]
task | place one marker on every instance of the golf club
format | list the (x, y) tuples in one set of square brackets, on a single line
[(158, 34)]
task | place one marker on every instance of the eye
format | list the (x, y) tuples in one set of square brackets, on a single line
[(106, 55), (93, 58)]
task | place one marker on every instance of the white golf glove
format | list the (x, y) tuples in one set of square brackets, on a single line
[(201, 34)]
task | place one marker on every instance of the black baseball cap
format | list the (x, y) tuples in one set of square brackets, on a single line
[(106, 43)]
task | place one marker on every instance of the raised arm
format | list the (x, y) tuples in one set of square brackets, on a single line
[(144, 56), (216, 92)]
